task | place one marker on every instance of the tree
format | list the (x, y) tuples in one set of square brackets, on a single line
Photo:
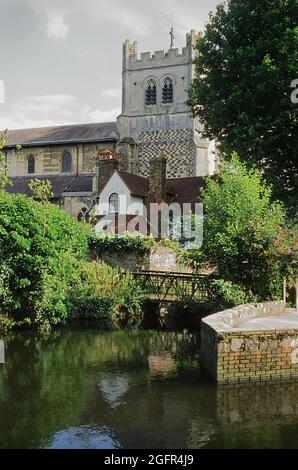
[(242, 232), (41, 190), (246, 63)]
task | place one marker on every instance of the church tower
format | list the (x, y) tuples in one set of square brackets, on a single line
[(155, 114)]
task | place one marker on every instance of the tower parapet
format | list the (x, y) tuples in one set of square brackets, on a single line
[(160, 58)]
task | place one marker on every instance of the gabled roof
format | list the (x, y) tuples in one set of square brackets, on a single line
[(185, 190), (181, 190), (77, 133), (60, 184), (137, 185)]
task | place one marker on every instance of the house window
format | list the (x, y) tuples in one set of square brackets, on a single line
[(31, 165), (150, 98), (114, 203), (66, 163), (168, 91)]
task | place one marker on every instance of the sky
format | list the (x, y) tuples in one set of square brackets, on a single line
[(61, 60)]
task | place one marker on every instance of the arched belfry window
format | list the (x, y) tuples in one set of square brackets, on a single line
[(66, 162), (114, 203), (150, 97), (31, 165), (168, 91)]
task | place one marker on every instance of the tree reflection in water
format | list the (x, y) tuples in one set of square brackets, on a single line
[(88, 389)]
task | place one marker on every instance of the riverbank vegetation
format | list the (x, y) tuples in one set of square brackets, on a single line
[(45, 277), (247, 239)]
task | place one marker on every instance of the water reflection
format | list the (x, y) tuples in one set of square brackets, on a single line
[(87, 389), (83, 437)]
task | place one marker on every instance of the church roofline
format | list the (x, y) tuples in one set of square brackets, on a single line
[(63, 135)]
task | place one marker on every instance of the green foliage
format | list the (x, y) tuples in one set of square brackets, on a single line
[(120, 243), (7, 324), (121, 295), (139, 244), (95, 309), (44, 275), (41, 190), (246, 62), (241, 231), (231, 295), (39, 247)]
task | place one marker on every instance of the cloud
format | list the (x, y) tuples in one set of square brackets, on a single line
[(111, 93), (50, 110), (140, 18), (104, 116), (54, 14), (57, 28)]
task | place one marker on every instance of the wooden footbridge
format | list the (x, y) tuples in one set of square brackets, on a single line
[(163, 287)]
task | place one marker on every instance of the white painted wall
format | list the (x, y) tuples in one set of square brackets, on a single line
[(128, 204)]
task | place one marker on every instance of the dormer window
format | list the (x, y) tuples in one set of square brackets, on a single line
[(150, 97), (31, 165), (114, 203), (167, 91), (66, 163)]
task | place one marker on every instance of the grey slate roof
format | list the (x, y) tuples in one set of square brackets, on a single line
[(78, 133), (60, 184)]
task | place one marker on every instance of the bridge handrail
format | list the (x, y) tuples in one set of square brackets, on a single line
[(171, 274)]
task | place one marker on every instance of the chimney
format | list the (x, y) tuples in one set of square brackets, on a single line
[(157, 177), (106, 166)]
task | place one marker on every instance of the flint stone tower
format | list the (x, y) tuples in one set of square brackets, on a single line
[(155, 115)]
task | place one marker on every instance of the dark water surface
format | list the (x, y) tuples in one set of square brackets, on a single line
[(88, 389)]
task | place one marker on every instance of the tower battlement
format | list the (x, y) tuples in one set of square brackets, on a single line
[(160, 58)]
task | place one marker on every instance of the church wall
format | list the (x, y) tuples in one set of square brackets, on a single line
[(48, 158)]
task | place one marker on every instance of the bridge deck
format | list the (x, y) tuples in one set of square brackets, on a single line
[(164, 286)]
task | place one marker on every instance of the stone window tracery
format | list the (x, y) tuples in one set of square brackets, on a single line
[(168, 91), (150, 97)]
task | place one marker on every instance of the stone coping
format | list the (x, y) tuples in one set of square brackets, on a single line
[(236, 319)]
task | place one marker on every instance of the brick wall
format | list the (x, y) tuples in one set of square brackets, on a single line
[(232, 354)]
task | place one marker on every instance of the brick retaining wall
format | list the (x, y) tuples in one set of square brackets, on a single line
[(232, 353)]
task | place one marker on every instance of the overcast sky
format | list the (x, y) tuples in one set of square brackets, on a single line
[(61, 59)]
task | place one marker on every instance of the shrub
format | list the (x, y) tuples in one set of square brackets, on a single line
[(241, 231), (120, 243), (95, 309), (230, 295), (120, 294), (39, 247)]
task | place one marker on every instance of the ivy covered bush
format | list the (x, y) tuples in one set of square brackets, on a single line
[(100, 243)]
